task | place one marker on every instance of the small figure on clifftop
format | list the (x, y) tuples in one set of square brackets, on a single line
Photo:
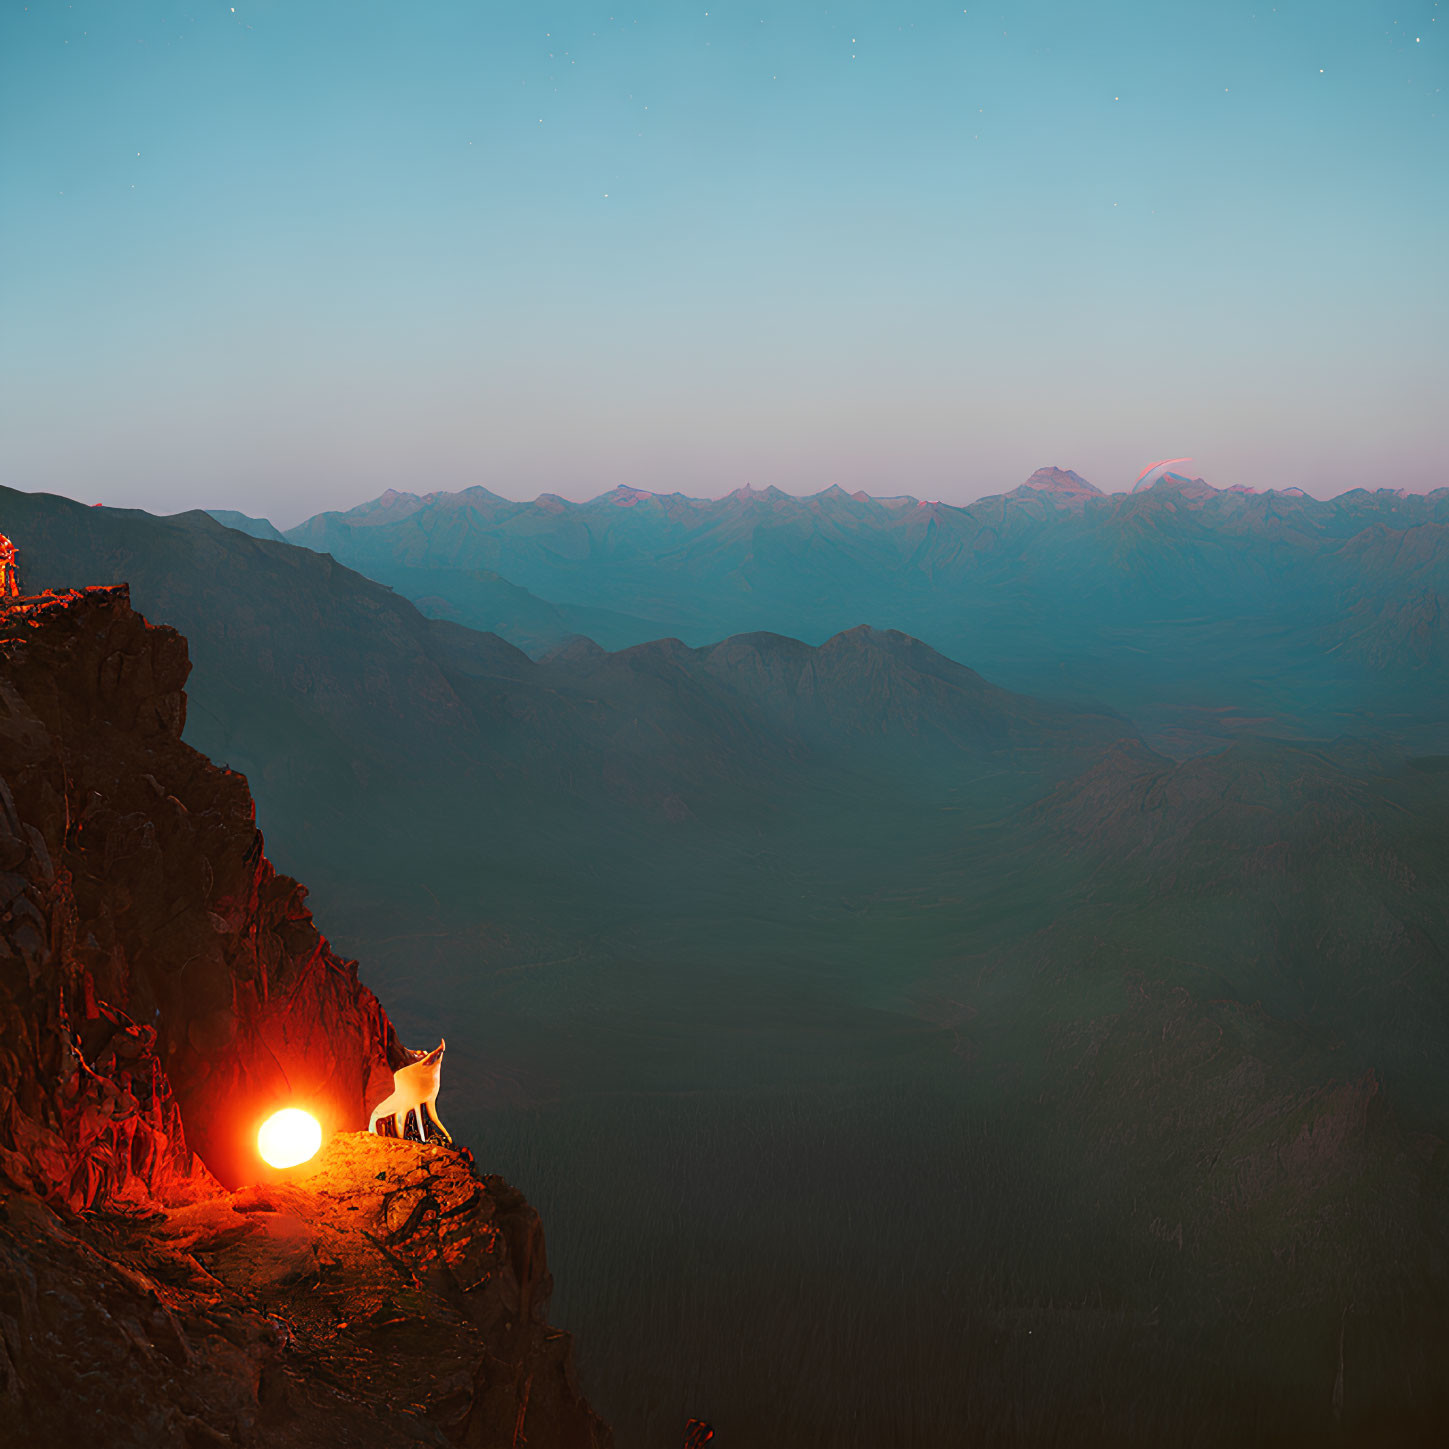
[(9, 570), (415, 1090)]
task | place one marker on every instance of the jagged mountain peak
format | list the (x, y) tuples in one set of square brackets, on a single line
[(764, 643), (748, 493), (245, 523), (625, 496), (1176, 483), (868, 636), (1062, 481), (578, 650)]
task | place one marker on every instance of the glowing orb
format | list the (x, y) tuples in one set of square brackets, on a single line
[(289, 1137)]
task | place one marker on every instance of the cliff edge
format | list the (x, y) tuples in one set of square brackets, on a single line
[(162, 990)]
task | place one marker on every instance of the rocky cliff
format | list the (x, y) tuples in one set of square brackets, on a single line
[(162, 990)]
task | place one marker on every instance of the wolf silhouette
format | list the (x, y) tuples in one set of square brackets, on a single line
[(414, 1089)]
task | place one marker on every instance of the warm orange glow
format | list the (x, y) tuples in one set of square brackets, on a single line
[(289, 1137)]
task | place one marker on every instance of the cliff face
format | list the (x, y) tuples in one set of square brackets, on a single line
[(162, 991), (147, 929)]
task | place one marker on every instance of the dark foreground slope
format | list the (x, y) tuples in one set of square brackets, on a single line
[(162, 990)]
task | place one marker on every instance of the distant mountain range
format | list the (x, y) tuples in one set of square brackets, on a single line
[(1297, 609), (330, 691)]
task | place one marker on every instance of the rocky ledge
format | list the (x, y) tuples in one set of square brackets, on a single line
[(382, 1295)]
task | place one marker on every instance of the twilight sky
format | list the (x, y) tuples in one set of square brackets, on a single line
[(281, 257)]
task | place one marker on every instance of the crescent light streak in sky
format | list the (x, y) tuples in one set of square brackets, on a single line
[(1149, 468)]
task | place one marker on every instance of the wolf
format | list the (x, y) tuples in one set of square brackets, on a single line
[(414, 1089)]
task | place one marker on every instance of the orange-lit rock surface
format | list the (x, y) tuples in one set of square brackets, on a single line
[(382, 1294), (162, 991)]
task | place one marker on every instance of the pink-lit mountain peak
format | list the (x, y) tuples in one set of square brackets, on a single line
[(626, 497), (750, 494), (1060, 482), (1176, 483)]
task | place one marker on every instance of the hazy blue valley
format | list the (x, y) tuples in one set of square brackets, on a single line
[(943, 975)]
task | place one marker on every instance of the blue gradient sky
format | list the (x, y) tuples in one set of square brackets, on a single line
[(281, 258)]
